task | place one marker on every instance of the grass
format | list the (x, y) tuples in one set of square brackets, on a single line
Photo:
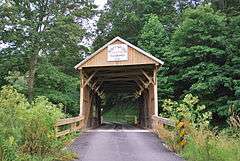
[(203, 145), (206, 145), (168, 135)]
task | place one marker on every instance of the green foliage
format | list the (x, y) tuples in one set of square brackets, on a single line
[(153, 37), (49, 26), (234, 124), (58, 87), (201, 143), (199, 61), (230, 7), (127, 18), (27, 130), (38, 129), (17, 80), (189, 110), (37, 31)]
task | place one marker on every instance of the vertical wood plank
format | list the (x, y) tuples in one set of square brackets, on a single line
[(155, 94), (81, 93)]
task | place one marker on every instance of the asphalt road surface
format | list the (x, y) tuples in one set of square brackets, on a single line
[(118, 142)]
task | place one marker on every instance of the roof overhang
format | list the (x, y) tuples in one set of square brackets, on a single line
[(79, 65)]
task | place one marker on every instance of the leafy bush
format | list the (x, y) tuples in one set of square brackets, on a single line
[(38, 129), (51, 82), (188, 109), (27, 130)]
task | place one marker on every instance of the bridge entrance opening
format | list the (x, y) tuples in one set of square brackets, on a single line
[(120, 108), (115, 76)]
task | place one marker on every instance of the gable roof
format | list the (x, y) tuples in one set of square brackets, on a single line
[(123, 41)]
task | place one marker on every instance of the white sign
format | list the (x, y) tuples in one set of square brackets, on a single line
[(117, 52)]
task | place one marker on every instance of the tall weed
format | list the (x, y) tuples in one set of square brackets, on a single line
[(205, 145)]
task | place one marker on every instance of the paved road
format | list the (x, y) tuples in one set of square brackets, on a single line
[(121, 143)]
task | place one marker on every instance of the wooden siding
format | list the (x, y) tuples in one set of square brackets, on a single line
[(134, 58)]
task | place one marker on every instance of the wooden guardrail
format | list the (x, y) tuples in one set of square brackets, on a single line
[(69, 125), (179, 126), (160, 121)]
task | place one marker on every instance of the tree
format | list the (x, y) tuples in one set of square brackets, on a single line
[(36, 28), (230, 7), (233, 66), (153, 37), (125, 18), (59, 87), (155, 40), (184, 4), (197, 60)]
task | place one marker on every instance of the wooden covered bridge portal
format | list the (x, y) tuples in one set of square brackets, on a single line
[(118, 67)]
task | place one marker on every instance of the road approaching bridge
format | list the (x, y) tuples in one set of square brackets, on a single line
[(118, 142)]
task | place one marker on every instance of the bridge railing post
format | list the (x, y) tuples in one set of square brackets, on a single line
[(69, 125)]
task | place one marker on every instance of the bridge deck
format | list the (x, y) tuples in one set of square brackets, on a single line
[(121, 143)]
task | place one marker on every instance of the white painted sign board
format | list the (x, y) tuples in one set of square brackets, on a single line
[(117, 52)]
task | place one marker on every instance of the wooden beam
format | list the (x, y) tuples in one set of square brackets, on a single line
[(138, 93), (154, 76), (98, 86), (120, 68), (129, 73), (147, 76), (144, 83), (117, 79), (94, 84), (122, 91), (89, 79), (100, 92), (120, 83), (119, 88), (139, 85)]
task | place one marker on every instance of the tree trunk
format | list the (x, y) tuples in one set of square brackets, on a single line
[(31, 76)]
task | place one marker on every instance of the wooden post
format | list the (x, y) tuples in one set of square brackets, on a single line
[(73, 126), (146, 108), (99, 110), (155, 94), (81, 92), (87, 106)]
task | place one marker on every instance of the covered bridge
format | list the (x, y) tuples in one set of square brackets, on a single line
[(119, 67)]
